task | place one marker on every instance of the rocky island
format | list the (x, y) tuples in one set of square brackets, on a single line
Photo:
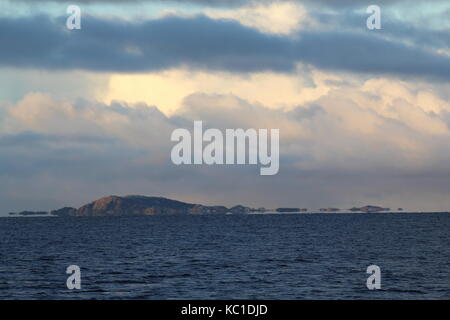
[(136, 205), (370, 209)]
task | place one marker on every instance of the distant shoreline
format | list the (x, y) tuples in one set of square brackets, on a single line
[(251, 214), (138, 205)]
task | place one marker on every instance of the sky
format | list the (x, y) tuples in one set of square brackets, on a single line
[(364, 115)]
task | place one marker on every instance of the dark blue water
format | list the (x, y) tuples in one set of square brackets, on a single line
[(227, 257)]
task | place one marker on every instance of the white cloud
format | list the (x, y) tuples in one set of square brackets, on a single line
[(168, 89), (273, 17)]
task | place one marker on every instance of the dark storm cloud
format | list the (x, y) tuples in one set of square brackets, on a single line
[(201, 42), (107, 45)]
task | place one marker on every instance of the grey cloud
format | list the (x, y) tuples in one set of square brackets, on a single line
[(370, 54), (204, 43), (106, 45), (418, 32)]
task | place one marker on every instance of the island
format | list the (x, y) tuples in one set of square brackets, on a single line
[(137, 205), (29, 213), (370, 209), (330, 210), (288, 210)]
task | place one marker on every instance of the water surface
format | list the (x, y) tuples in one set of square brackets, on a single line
[(317, 256)]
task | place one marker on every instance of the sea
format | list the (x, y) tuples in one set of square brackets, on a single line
[(289, 256)]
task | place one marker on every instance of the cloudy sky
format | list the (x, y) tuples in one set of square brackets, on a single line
[(364, 115)]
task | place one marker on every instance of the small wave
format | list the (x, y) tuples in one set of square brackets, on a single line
[(405, 290), (181, 275)]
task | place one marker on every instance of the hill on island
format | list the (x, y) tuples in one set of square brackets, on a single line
[(142, 205)]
